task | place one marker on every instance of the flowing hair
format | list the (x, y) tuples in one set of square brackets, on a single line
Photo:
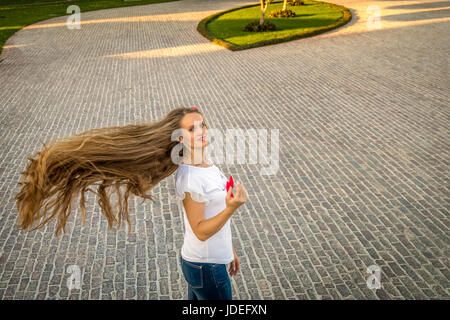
[(135, 155)]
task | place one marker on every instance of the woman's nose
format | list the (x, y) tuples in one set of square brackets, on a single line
[(198, 134)]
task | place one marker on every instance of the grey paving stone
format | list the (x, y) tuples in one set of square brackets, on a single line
[(364, 152)]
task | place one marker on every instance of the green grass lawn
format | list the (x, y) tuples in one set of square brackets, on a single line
[(312, 18), (16, 14)]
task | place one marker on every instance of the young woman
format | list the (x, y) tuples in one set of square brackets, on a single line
[(139, 156), (207, 208)]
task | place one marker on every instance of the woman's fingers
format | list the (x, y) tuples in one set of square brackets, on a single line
[(242, 193), (236, 195), (231, 270), (239, 197), (238, 191), (234, 267), (229, 193)]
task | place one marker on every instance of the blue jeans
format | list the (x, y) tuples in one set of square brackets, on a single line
[(206, 281)]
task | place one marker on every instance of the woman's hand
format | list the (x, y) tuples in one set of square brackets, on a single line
[(235, 265), (239, 198)]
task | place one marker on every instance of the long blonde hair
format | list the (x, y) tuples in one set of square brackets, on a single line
[(135, 155)]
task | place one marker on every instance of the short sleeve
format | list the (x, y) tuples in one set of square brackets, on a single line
[(188, 182)]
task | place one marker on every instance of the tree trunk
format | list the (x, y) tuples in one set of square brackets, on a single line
[(263, 11), (284, 5)]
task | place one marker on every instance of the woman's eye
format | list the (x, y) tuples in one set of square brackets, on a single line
[(203, 125)]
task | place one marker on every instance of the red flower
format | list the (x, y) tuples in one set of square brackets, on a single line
[(229, 185)]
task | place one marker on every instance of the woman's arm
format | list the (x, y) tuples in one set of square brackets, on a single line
[(204, 228), (209, 227)]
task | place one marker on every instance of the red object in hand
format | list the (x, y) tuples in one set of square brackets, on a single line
[(230, 184)]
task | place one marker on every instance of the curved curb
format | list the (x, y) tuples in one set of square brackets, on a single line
[(202, 28)]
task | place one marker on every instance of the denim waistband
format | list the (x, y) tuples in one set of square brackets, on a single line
[(205, 264)]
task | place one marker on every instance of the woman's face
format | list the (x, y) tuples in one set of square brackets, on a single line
[(194, 124)]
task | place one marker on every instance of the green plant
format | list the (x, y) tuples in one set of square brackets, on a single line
[(256, 27), (281, 13)]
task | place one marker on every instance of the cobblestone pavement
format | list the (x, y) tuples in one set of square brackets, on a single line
[(364, 151)]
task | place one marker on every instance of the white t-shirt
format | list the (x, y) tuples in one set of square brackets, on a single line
[(205, 184)]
